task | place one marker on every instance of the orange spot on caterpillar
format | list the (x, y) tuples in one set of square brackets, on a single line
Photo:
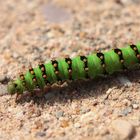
[(56, 72), (70, 70), (22, 77), (119, 53), (138, 56), (44, 76), (34, 79), (55, 65), (69, 62), (42, 69), (32, 72), (85, 60), (122, 60), (103, 65), (23, 83), (86, 69)]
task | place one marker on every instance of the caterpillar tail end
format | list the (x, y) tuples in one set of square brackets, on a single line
[(11, 88)]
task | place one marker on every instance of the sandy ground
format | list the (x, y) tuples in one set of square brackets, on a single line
[(102, 109)]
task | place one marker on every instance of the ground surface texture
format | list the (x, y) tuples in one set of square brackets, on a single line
[(102, 109)]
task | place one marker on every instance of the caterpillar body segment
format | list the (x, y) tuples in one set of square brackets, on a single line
[(112, 58), (80, 67)]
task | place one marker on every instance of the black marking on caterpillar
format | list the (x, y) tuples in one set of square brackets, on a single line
[(119, 53), (134, 47), (101, 56), (55, 65), (84, 59), (43, 70), (69, 62), (31, 70), (23, 79)]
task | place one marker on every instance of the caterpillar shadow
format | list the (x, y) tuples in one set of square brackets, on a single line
[(81, 89)]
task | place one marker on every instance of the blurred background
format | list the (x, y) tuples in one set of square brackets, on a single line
[(44, 29)]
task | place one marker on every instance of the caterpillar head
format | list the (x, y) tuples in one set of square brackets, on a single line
[(14, 87)]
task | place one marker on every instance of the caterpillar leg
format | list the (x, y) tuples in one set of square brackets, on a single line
[(38, 92), (20, 96), (17, 97)]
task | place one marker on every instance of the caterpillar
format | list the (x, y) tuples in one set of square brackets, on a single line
[(80, 67)]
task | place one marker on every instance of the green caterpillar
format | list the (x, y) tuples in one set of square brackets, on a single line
[(80, 67)]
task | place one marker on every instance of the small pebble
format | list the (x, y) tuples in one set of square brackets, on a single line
[(109, 90), (126, 102), (3, 89), (125, 111), (59, 114), (88, 117), (124, 129), (95, 102), (84, 110), (129, 1), (20, 114), (15, 55), (104, 131), (64, 123), (124, 81), (135, 106), (40, 134), (3, 78), (77, 125)]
